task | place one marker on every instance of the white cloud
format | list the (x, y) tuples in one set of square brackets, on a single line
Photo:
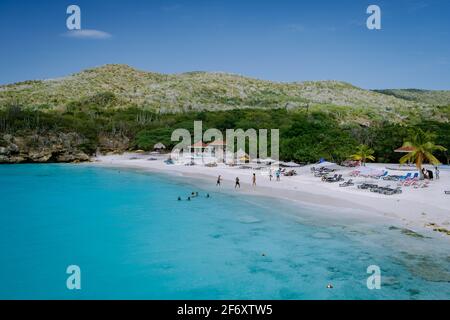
[(87, 34)]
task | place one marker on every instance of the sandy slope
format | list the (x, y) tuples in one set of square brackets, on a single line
[(414, 208)]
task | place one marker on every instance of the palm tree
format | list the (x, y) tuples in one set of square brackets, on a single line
[(363, 154), (423, 146)]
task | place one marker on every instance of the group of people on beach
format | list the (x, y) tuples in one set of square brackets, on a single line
[(428, 174), (238, 183)]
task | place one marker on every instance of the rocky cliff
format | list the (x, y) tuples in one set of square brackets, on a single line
[(35, 148)]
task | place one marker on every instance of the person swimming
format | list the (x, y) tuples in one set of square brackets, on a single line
[(179, 198), (188, 198), (207, 195)]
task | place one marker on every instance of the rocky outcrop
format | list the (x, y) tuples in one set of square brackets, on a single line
[(113, 143), (37, 148)]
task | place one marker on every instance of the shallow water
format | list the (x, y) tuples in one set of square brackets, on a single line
[(132, 239)]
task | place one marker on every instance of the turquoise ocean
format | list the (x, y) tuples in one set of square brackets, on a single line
[(132, 239)]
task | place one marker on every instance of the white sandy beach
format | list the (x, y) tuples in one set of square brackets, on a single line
[(414, 208)]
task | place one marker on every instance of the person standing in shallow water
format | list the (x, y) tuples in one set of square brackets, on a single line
[(254, 180), (219, 179), (238, 184)]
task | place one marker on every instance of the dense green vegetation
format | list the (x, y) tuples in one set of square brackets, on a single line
[(116, 107), (305, 135), (121, 87)]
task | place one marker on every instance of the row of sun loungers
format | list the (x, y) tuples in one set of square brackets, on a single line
[(365, 186), (414, 183), (357, 173), (393, 178), (407, 177), (403, 179), (409, 180), (387, 190), (378, 189)]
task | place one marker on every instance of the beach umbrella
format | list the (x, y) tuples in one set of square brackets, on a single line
[(159, 146), (405, 149)]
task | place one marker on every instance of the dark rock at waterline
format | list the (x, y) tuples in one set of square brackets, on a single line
[(34, 148), (408, 232)]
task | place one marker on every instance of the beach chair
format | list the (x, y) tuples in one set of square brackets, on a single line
[(366, 186), (408, 180), (418, 185), (390, 191), (392, 178), (380, 189), (335, 178), (408, 176), (347, 183), (383, 175), (354, 173), (447, 192), (379, 176)]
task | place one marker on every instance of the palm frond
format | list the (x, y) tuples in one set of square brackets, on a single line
[(431, 158)]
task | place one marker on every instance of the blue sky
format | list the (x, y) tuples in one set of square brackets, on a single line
[(274, 40)]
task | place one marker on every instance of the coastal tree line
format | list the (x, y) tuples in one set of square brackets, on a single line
[(305, 136)]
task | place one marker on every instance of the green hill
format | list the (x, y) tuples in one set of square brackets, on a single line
[(120, 86), (194, 90)]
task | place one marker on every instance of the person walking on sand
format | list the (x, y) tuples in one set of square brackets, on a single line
[(278, 175), (437, 173), (219, 179), (237, 183), (270, 174), (254, 180)]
